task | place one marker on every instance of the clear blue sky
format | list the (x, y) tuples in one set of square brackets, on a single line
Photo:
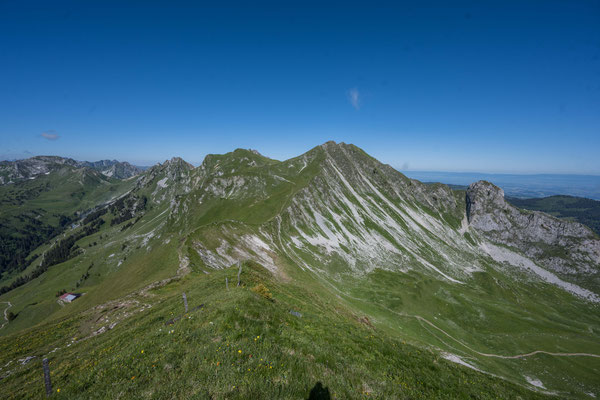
[(507, 86)]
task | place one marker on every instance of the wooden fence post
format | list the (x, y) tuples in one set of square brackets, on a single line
[(185, 302), (47, 381), (239, 272)]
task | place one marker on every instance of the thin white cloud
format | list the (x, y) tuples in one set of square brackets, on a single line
[(50, 135), (354, 98)]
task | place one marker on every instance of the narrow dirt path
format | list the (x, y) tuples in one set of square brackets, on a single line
[(6, 312), (516, 356)]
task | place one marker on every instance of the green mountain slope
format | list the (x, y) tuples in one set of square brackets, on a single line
[(37, 209), (238, 345), (468, 279)]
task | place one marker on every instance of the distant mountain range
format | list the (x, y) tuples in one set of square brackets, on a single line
[(327, 269), (19, 170)]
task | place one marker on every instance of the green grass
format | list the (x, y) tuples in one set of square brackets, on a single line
[(36, 301), (240, 345), (490, 315)]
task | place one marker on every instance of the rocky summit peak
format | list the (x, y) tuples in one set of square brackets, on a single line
[(483, 196), (331, 144), (177, 162), (174, 160), (486, 188), (336, 148)]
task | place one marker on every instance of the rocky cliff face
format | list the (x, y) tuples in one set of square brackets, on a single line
[(567, 248), (15, 171)]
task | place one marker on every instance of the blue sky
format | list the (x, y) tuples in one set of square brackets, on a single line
[(507, 86)]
